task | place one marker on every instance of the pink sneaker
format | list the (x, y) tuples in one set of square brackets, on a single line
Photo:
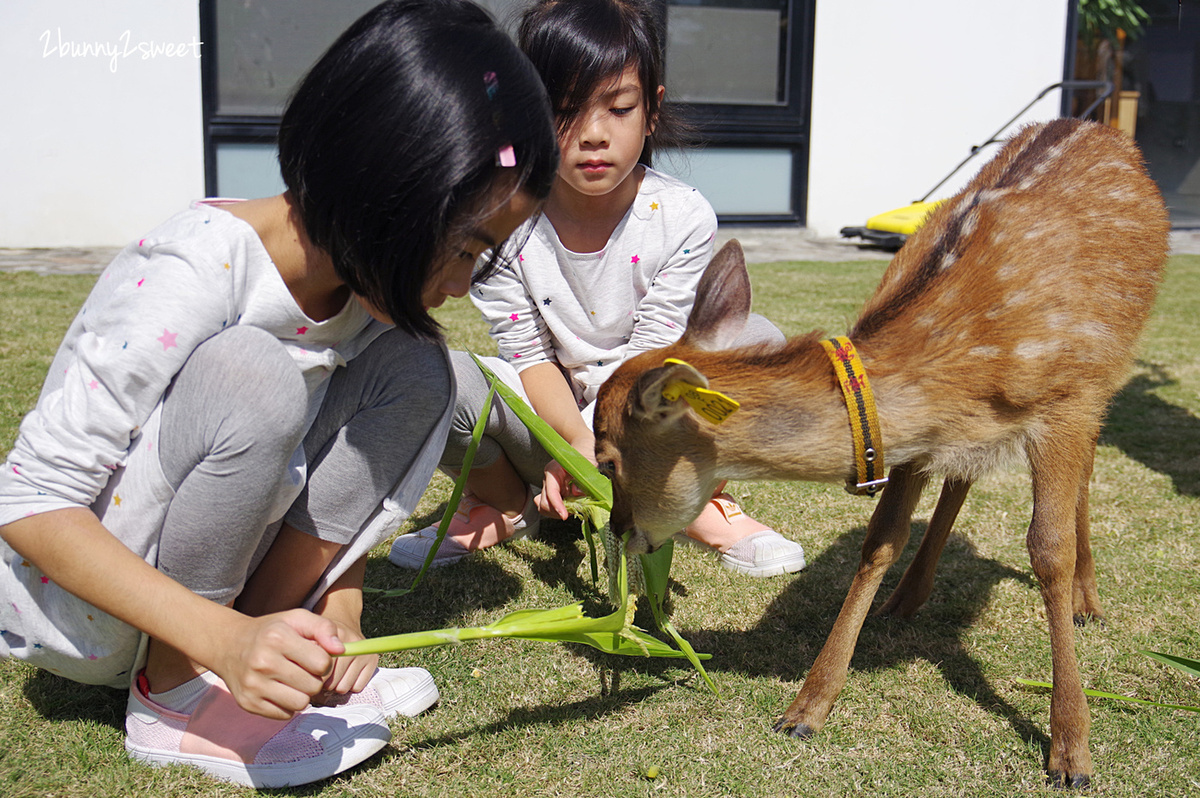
[(393, 691), (227, 742), (472, 523)]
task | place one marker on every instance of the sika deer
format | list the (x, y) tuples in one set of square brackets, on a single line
[(1001, 329)]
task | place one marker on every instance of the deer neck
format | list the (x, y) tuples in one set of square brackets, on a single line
[(793, 423)]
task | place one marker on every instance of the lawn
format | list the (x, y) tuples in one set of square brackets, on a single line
[(932, 705)]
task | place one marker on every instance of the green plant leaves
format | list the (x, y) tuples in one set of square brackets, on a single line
[(585, 474), (613, 633), (1189, 666)]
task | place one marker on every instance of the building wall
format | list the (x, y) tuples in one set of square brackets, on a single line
[(101, 135), (901, 91), (102, 138)]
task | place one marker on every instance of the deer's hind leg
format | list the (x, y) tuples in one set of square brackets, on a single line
[(1086, 597), (887, 534), (917, 583), (1058, 463)]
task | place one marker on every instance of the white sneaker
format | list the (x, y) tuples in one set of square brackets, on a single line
[(393, 691)]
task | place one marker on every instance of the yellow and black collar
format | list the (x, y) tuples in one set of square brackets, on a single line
[(864, 421)]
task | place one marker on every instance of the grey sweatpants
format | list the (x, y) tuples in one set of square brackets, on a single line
[(226, 458)]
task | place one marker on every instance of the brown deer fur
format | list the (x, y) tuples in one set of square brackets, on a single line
[(1000, 331)]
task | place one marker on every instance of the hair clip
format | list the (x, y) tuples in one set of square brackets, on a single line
[(506, 156), (490, 84)]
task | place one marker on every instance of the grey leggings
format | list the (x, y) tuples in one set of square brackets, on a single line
[(234, 416), (504, 432)]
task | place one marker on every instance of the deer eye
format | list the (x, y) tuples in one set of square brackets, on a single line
[(608, 468)]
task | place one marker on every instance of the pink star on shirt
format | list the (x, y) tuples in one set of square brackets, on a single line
[(167, 339), (301, 330), (93, 385), (141, 281), (634, 259), (514, 317)]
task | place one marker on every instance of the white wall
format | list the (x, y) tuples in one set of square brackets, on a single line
[(100, 137), (902, 90)]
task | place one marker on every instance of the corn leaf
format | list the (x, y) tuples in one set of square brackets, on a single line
[(585, 474), (456, 493), (1189, 666), (1112, 696)]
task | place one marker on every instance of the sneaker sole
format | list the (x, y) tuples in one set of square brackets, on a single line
[(270, 776), (763, 571)]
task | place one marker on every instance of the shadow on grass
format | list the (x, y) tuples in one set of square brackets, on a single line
[(549, 715), (1159, 435), (783, 644), (59, 699), (785, 641), (794, 627)]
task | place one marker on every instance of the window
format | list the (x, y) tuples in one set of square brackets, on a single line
[(740, 68)]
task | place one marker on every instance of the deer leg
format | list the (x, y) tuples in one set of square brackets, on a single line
[(1056, 469), (1086, 597), (917, 583), (887, 533)]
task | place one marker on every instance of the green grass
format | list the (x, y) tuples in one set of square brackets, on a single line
[(931, 706)]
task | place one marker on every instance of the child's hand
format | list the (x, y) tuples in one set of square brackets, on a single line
[(275, 664), (557, 487), (350, 674)]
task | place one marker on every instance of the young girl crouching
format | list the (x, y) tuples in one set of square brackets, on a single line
[(254, 395), (610, 270)]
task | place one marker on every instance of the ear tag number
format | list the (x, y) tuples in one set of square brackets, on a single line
[(712, 405)]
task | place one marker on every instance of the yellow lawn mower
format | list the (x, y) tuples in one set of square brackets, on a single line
[(891, 229)]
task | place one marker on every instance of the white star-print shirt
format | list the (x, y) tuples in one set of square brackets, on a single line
[(589, 312)]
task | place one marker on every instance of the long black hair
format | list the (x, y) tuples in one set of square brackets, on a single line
[(579, 46), (391, 145)]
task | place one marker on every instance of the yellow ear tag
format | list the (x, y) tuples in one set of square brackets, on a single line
[(711, 405)]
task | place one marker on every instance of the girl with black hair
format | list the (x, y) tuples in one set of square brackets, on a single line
[(255, 395), (610, 270)]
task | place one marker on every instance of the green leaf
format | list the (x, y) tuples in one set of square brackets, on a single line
[(1112, 696), (1189, 666), (585, 474), (456, 493)]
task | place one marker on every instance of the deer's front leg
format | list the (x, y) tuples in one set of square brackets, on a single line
[(1052, 551), (887, 533)]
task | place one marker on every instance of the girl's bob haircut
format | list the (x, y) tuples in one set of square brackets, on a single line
[(580, 46), (390, 147)]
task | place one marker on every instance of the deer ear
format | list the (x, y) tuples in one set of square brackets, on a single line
[(649, 399), (722, 301)]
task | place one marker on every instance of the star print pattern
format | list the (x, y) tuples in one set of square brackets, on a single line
[(149, 311), (588, 309)]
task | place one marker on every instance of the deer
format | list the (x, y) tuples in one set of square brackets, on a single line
[(998, 334)]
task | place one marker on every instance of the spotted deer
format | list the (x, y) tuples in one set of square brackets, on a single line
[(1000, 331)]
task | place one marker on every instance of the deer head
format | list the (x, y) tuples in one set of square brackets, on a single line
[(657, 450)]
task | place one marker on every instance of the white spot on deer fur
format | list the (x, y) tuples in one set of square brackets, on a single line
[(970, 222), (1007, 271), (1094, 329), (991, 194), (985, 352), (948, 260), (1032, 350)]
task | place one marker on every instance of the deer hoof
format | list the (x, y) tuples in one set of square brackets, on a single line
[(801, 731), (1065, 781), (1084, 619)]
